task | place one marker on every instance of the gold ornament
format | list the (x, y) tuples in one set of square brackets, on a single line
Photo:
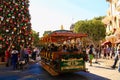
[(23, 41), (15, 29)]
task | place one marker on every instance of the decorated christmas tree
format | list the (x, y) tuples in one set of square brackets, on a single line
[(15, 26)]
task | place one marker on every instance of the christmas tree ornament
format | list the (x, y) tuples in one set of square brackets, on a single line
[(1, 18), (18, 40), (13, 1), (12, 32), (22, 40), (15, 29), (16, 9), (7, 30), (0, 45), (9, 15), (10, 38), (23, 27), (7, 20), (13, 46), (13, 17), (19, 37), (0, 37), (0, 9), (30, 38), (3, 39), (11, 21), (6, 42), (18, 33)]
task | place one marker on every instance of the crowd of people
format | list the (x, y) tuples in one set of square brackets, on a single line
[(21, 57), (105, 52), (92, 51), (18, 58)]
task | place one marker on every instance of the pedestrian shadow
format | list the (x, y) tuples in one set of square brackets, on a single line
[(103, 67), (69, 76), (79, 76), (91, 76), (97, 63)]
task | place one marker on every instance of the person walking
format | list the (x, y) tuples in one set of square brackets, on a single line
[(96, 53), (22, 58), (34, 54), (26, 55), (108, 51), (14, 58), (8, 57), (91, 55), (116, 58)]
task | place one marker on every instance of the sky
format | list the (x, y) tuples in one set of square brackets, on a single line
[(49, 15)]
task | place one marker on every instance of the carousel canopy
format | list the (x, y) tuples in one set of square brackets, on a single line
[(61, 35)]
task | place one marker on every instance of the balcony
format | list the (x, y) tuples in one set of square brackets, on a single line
[(118, 6)]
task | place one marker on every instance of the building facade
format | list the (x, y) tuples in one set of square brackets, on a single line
[(112, 21)]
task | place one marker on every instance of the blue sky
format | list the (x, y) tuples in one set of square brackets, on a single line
[(51, 14)]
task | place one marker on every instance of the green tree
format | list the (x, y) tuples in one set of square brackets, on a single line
[(46, 32), (36, 39), (94, 28)]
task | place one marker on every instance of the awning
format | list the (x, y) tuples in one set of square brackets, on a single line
[(118, 41), (106, 42), (111, 38)]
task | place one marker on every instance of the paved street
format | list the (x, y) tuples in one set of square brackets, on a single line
[(103, 69), (100, 71)]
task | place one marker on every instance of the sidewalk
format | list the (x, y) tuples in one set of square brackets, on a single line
[(103, 68)]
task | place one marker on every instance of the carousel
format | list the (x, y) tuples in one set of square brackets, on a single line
[(55, 60)]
